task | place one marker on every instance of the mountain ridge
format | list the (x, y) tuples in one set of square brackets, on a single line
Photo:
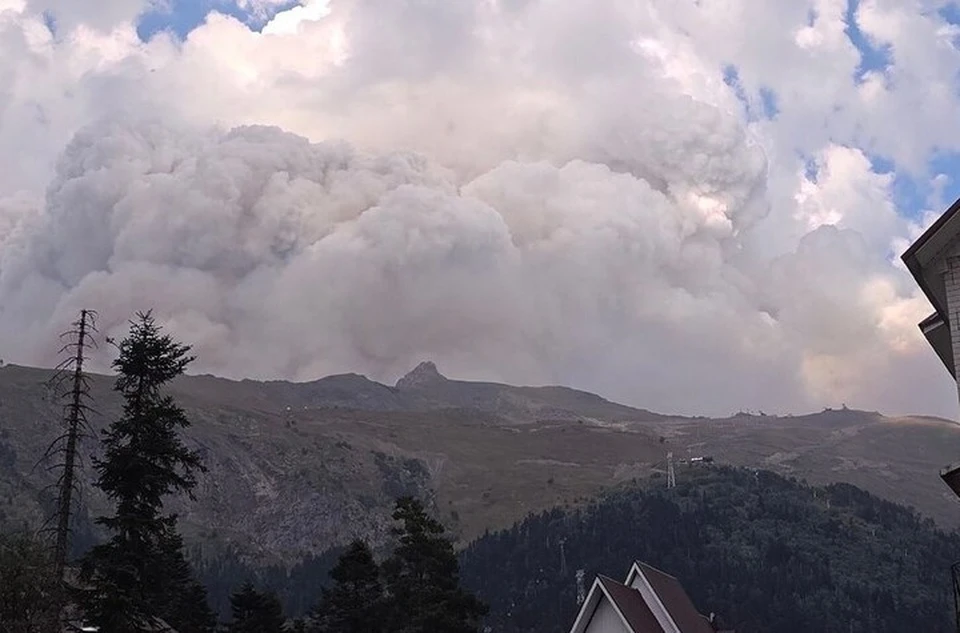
[(296, 468)]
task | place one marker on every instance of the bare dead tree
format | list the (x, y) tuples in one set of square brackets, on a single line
[(73, 387)]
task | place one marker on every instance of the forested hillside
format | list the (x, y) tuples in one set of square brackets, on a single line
[(764, 552)]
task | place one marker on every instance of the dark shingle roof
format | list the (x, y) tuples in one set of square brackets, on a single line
[(632, 605), (676, 601), (912, 261)]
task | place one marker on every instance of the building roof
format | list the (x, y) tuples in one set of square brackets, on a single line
[(924, 250), (158, 626), (921, 258), (675, 600), (632, 606), (651, 601)]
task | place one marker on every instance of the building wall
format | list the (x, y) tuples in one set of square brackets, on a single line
[(605, 620), (951, 282)]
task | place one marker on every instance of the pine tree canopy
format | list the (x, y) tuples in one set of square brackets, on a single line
[(145, 459), (354, 604), (139, 575), (423, 580), (253, 611)]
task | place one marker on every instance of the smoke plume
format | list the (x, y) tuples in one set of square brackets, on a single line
[(527, 191)]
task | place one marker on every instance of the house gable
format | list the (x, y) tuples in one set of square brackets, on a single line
[(611, 607), (594, 615), (667, 599), (637, 580), (605, 619)]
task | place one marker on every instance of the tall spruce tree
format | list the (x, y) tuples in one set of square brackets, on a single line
[(127, 581), (354, 604), (254, 611), (423, 580)]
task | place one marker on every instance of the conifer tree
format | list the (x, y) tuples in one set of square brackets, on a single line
[(253, 611), (187, 609), (423, 580), (354, 604), (126, 582)]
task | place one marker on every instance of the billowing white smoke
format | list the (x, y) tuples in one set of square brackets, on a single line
[(567, 227)]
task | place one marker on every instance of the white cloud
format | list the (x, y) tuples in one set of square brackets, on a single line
[(288, 22), (527, 190)]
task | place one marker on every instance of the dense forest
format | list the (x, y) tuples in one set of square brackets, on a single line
[(297, 587), (764, 552)]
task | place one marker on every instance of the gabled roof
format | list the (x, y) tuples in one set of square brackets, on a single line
[(631, 606), (673, 597), (925, 250), (921, 259), (650, 602), (158, 626)]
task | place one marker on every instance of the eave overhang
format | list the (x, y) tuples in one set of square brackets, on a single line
[(937, 333), (923, 259)]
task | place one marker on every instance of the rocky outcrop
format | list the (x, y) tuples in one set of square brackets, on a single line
[(424, 375)]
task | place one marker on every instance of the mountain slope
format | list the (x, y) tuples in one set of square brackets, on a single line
[(295, 469), (762, 552)]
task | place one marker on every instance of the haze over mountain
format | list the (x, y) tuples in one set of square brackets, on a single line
[(296, 468)]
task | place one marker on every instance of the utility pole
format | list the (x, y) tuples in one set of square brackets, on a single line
[(581, 591), (671, 472), (563, 558)]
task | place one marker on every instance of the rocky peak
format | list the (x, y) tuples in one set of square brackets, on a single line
[(423, 375)]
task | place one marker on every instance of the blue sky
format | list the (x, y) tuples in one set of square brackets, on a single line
[(911, 193), (182, 16)]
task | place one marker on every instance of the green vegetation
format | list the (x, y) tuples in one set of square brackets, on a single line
[(763, 552), (416, 589), (28, 585), (422, 578), (253, 611), (355, 602), (139, 577)]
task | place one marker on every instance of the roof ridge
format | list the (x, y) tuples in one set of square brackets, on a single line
[(642, 564), (604, 579)]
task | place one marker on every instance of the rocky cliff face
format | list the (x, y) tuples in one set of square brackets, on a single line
[(298, 468)]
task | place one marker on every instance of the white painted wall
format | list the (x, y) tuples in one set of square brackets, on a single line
[(606, 620)]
